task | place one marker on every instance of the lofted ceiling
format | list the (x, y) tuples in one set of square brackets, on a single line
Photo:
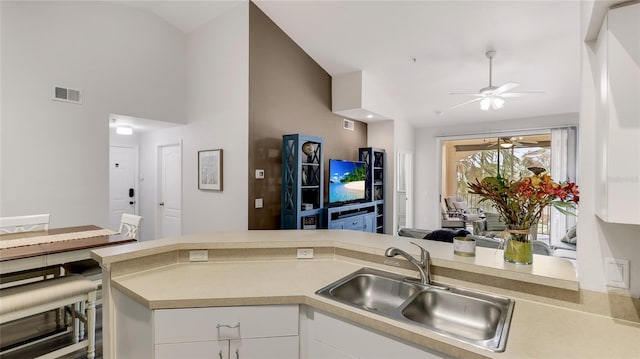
[(418, 52)]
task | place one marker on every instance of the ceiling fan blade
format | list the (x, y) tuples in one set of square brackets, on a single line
[(466, 94), (506, 87), (467, 102), (520, 94)]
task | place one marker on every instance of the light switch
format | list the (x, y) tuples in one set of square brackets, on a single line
[(258, 202), (616, 272), (259, 174)]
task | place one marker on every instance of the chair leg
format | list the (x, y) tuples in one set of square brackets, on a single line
[(91, 326), (76, 322), (83, 310), (60, 317)]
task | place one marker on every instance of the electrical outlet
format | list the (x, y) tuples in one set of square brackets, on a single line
[(259, 202), (199, 256), (305, 253)]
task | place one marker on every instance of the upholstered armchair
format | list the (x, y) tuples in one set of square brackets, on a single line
[(490, 226), (457, 207), (451, 222)]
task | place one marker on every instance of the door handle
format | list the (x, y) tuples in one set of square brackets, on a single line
[(162, 203), (132, 202)]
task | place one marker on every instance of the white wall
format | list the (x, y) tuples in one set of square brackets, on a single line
[(54, 155), (381, 135), (598, 239), (427, 158), (218, 117)]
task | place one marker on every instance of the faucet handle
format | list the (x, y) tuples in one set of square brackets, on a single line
[(424, 254)]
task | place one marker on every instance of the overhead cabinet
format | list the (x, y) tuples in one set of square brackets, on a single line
[(618, 116)]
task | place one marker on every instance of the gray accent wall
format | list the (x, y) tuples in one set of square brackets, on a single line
[(288, 93)]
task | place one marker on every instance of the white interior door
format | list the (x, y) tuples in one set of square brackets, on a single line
[(123, 190), (404, 191), (170, 191)]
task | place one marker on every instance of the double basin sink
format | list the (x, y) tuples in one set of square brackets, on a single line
[(476, 318)]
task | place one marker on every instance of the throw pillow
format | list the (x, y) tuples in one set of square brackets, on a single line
[(461, 206), (446, 235), (441, 235), (571, 237)]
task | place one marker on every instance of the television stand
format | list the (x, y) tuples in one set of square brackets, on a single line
[(357, 217)]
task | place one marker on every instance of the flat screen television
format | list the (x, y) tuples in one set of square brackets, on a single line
[(346, 181)]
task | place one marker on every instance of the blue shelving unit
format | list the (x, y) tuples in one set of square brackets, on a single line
[(302, 182), (375, 161)]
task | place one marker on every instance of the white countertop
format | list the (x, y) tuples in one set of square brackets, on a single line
[(537, 330)]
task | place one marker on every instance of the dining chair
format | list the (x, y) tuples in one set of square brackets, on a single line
[(74, 292), (23, 224), (90, 269), (129, 225), (20, 224)]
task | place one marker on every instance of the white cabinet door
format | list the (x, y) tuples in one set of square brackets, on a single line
[(217, 349), (264, 348), (618, 114), (319, 350), (351, 340)]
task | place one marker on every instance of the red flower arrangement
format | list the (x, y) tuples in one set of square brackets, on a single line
[(520, 203)]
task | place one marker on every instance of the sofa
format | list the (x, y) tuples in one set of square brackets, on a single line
[(486, 242), (562, 249)]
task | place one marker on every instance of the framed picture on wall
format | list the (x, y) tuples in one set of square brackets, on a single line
[(210, 170)]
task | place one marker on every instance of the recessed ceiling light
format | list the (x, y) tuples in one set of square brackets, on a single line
[(123, 130), (369, 116)]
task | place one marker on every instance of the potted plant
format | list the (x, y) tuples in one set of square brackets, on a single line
[(520, 204)]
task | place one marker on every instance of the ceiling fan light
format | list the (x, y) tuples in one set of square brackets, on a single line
[(485, 104), (506, 145), (498, 103)]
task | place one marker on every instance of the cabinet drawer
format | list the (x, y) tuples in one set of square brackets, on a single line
[(218, 349), (200, 324), (355, 223)]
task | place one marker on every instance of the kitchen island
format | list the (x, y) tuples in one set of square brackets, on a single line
[(151, 283)]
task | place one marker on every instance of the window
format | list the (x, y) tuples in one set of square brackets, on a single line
[(466, 160)]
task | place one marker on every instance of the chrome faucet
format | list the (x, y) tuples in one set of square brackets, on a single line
[(422, 265)]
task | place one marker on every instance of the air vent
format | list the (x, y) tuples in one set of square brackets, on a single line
[(67, 95), (348, 125)]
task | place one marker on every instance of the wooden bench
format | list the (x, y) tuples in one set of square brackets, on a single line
[(73, 290)]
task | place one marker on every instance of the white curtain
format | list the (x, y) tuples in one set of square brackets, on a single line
[(563, 168)]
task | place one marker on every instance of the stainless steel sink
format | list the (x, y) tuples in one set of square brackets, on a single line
[(473, 317), (372, 290)]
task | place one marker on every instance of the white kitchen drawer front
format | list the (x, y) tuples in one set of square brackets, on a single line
[(200, 324), (265, 348), (218, 349)]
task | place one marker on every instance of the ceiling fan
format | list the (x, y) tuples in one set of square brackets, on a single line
[(493, 96), (509, 142)]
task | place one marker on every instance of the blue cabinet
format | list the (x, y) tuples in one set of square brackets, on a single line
[(357, 217), (302, 199), (375, 161)]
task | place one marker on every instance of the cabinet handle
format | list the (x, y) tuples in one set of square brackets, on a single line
[(220, 354), (237, 354), (228, 326)]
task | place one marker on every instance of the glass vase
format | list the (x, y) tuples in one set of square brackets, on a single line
[(518, 248)]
